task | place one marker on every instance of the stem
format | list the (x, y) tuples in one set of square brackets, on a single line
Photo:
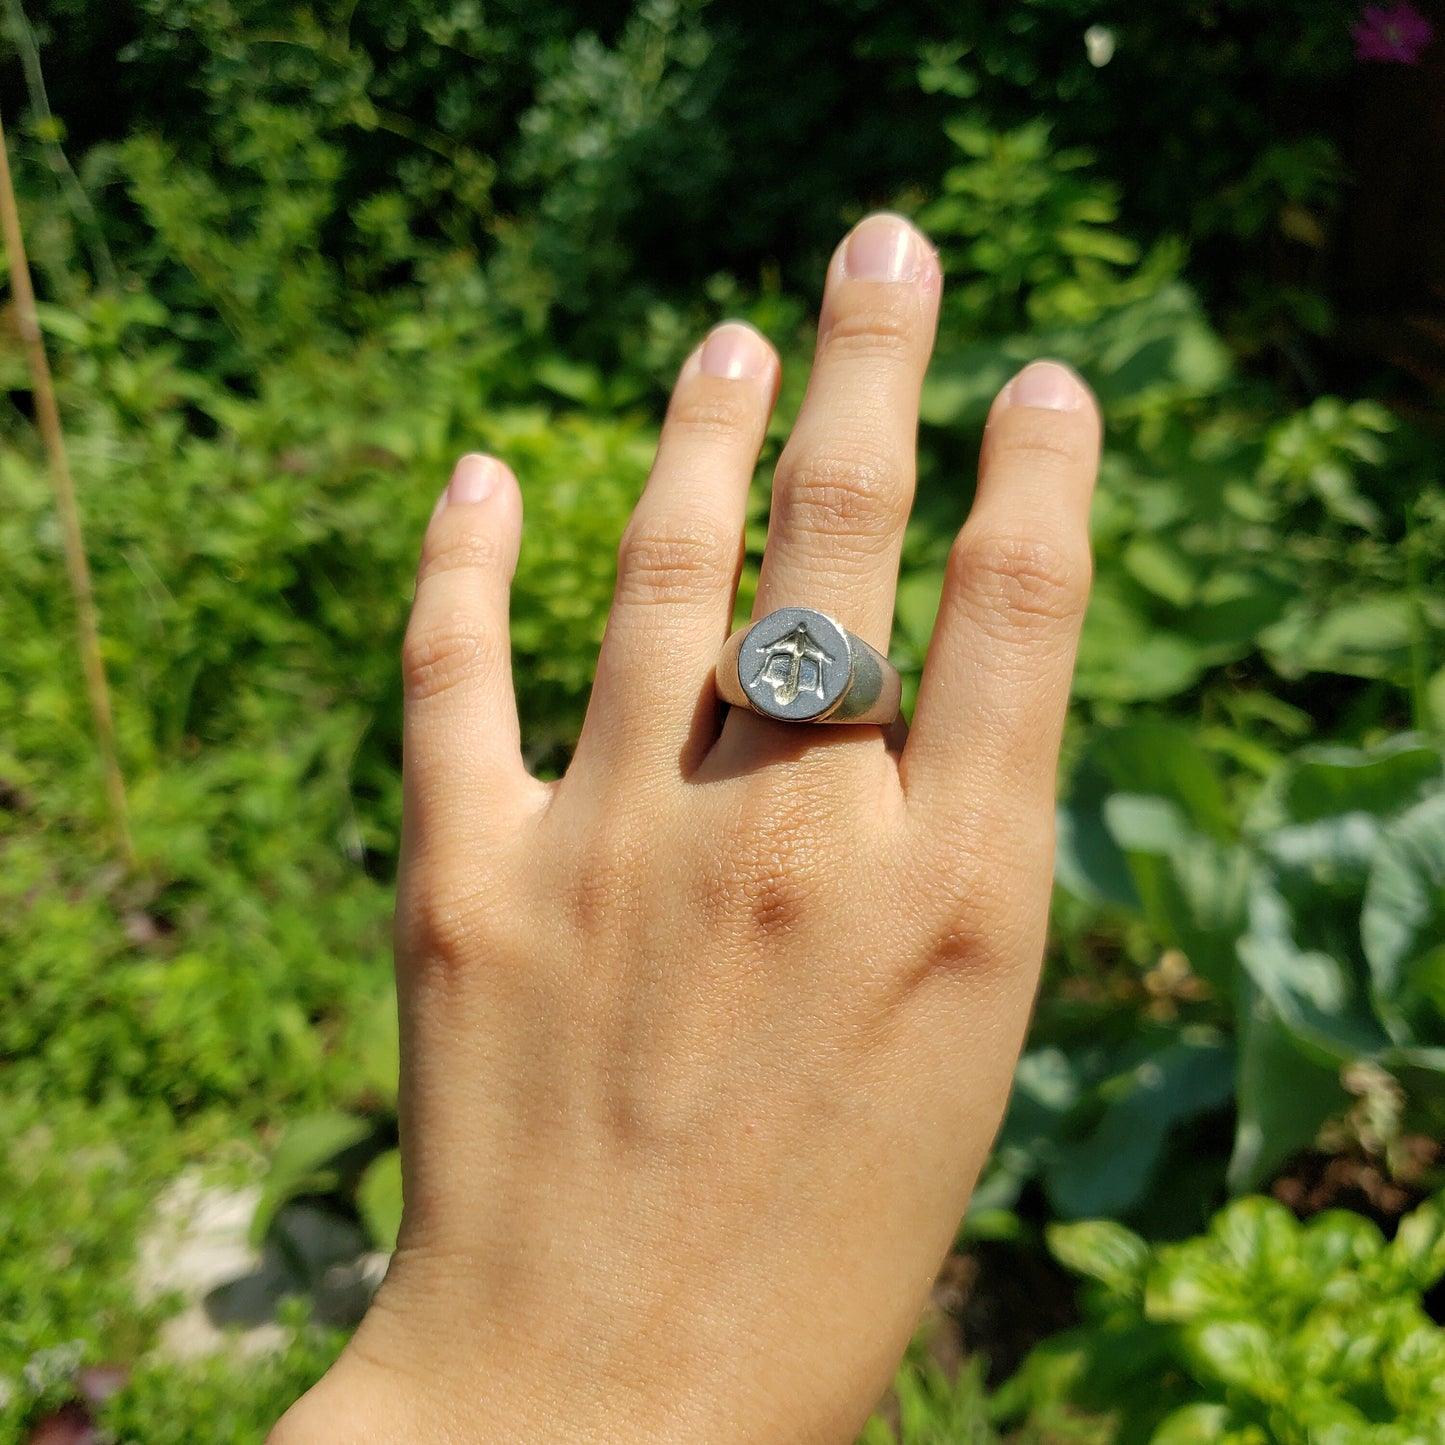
[(47, 420)]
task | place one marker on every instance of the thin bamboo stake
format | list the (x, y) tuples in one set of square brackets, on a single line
[(47, 418)]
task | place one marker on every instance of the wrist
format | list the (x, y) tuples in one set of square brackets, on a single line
[(361, 1402)]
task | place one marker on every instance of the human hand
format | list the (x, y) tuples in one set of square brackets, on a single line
[(704, 1045)]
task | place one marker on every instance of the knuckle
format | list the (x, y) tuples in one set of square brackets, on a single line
[(454, 549), (887, 332), (599, 889), (724, 413), (776, 871), (858, 492), (963, 930), (440, 918), (674, 563), (442, 652), (1012, 579), (1046, 444)]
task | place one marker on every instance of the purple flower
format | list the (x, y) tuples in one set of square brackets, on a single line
[(1396, 35)]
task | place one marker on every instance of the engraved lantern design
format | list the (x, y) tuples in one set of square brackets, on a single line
[(792, 665)]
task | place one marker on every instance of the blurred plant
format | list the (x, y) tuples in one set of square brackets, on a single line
[(47, 413), (1028, 232), (1317, 927), (1397, 35), (1262, 1330), (934, 1409)]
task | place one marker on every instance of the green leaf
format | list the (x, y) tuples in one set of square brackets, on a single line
[(1251, 1250), (1256, 1235), (1127, 656), (378, 1196), (1366, 637), (1336, 1241), (1163, 570), (1325, 782), (1103, 1250), (1087, 860), (1238, 1353), (1315, 994), (1112, 1167), (1403, 918), (1192, 890), (1284, 1096), (302, 1162), (1416, 1255), (1201, 1424), (1165, 760)]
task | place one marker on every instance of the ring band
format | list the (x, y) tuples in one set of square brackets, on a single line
[(799, 665)]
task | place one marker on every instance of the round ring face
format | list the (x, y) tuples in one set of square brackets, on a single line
[(795, 664)]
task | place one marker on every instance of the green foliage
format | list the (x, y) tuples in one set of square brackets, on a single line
[(1261, 1330), (311, 252), (1028, 230), (1313, 921), (934, 1410), (221, 1399)]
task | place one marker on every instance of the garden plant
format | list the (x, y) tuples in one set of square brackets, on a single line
[(292, 259)]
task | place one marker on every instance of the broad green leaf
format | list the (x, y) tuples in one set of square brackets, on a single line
[(1315, 994), (1250, 1253), (1110, 1169), (1283, 1095), (1165, 760), (1103, 1250), (1413, 1373), (1128, 656), (378, 1196), (302, 1162), (1338, 1240), (1087, 860), (1163, 570), (1403, 920), (1365, 637), (1192, 890), (1257, 1235), (1325, 782)]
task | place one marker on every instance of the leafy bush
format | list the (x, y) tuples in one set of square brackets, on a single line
[(1262, 1330), (285, 290)]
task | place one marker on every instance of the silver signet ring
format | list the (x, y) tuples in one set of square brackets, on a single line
[(799, 665)]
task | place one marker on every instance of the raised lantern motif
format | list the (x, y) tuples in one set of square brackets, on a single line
[(793, 665)]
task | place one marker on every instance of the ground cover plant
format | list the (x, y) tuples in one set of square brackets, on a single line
[(294, 259)]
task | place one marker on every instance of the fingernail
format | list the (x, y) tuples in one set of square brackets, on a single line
[(883, 248), (474, 480), (1047, 384), (734, 350)]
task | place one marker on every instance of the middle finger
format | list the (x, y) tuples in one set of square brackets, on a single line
[(844, 483)]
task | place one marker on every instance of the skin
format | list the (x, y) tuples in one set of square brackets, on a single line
[(704, 1045)]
